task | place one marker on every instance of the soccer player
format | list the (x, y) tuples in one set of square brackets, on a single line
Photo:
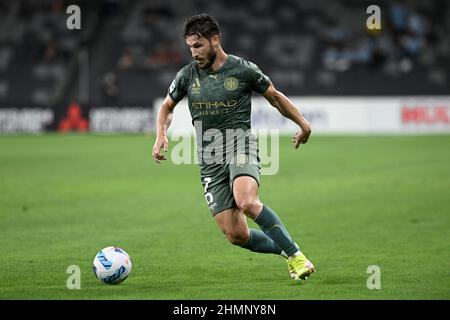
[(219, 87)]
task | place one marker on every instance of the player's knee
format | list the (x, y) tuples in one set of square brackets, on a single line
[(251, 207), (237, 239)]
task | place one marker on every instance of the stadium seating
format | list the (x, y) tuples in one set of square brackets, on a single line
[(127, 53)]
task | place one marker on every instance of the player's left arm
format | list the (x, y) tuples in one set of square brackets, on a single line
[(290, 111)]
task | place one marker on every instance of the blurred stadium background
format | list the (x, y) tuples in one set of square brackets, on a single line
[(127, 53), (352, 200)]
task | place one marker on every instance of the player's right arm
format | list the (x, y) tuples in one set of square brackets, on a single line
[(164, 119), (261, 83), (177, 90)]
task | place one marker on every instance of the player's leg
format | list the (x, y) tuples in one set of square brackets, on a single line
[(218, 195), (233, 224), (245, 192)]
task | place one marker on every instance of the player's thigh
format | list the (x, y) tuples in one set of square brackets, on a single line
[(233, 223), (245, 185), (244, 173), (245, 188)]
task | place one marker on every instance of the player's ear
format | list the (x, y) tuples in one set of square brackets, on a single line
[(215, 40)]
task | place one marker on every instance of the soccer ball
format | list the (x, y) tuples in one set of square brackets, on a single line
[(112, 265)]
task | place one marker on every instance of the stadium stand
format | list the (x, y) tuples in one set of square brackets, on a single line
[(127, 52)]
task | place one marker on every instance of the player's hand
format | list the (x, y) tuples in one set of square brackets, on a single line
[(301, 137), (161, 142)]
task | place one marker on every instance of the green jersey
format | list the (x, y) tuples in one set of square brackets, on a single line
[(219, 100)]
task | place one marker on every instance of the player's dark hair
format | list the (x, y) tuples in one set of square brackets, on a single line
[(202, 25)]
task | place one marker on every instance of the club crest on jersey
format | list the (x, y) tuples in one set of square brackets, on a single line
[(230, 83), (195, 89)]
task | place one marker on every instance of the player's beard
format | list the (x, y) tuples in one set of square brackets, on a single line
[(209, 59)]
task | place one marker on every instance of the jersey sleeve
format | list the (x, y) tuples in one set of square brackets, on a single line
[(178, 87), (259, 82)]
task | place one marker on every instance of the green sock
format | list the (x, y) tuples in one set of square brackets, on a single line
[(259, 242), (272, 226)]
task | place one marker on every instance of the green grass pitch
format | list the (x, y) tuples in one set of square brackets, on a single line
[(349, 201)]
